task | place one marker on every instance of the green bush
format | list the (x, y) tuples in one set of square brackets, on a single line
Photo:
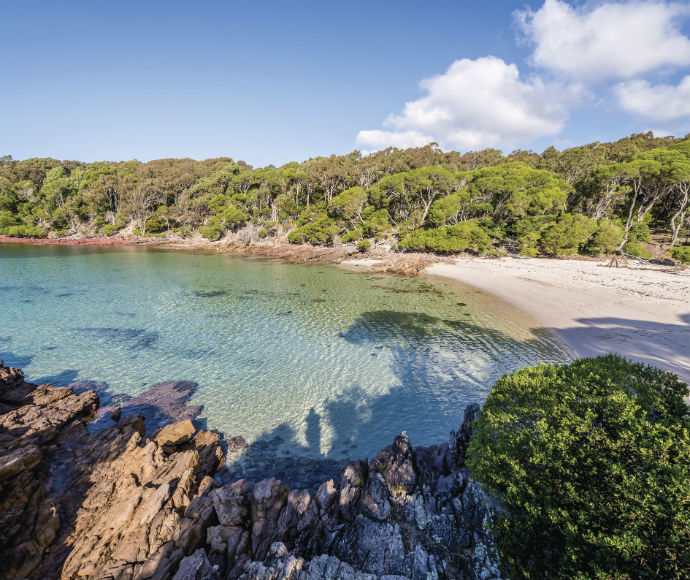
[(567, 235), (375, 221), (467, 235), (363, 245), (110, 229), (591, 461), (639, 232), (319, 232), (351, 236), (156, 224), (608, 237), (7, 220), (235, 217), (23, 231), (636, 249), (262, 233), (682, 254), (213, 230)]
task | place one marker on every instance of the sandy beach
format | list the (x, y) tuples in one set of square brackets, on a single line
[(639, 311)]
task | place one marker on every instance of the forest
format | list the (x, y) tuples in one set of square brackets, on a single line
[(593, 199)]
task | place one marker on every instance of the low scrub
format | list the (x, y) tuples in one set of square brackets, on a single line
[(591, 461)]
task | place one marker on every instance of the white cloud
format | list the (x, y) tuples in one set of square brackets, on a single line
[(476, 104), (612, 40), (377, 139), (660, 103)]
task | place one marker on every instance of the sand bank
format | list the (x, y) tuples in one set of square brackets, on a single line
[(639, 311)]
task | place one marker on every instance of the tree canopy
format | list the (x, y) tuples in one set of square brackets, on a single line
[(594, 198)]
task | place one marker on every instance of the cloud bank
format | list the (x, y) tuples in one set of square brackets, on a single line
[(578, 54)]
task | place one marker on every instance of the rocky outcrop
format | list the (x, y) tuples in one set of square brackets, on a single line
[(114, 504)]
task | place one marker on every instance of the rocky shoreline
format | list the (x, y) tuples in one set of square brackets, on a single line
[(114, 504)]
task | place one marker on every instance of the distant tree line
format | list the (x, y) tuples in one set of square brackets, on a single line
[(595, 198)]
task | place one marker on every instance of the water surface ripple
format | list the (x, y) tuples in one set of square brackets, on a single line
[(316, 361)]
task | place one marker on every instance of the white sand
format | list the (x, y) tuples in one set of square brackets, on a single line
[(641, 312)]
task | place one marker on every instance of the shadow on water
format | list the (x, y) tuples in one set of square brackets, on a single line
[(161, 404), (14, 360), (423, 385)]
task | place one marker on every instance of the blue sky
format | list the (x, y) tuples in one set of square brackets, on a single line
[(274, 82)]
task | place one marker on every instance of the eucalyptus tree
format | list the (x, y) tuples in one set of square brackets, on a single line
[(515, 190)]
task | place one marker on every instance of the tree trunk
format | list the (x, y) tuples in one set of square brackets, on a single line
[(684, 187)]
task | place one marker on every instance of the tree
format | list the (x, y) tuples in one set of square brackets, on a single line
[(591, 463), (515, 191), (348, 205)]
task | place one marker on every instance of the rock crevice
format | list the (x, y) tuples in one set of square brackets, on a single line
[(113, 504)]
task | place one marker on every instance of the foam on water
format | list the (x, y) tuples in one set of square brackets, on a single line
[(322, 361)]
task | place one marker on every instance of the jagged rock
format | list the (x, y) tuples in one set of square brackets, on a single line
[(111, 504), (374, 499), (19, 460), (460, 440), (352, 479), (396, 465), (171, 436), (195, 567), (231, 503), (325, 496), (372, 547)]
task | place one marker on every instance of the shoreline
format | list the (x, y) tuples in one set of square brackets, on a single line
[(639, 312)]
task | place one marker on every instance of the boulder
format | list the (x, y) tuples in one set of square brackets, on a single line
[(171, 436)]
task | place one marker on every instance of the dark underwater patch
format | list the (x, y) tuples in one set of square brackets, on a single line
[(136, 338)]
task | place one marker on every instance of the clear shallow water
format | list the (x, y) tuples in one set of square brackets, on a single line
[(322, 361)]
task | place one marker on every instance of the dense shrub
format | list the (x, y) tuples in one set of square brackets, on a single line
[(351, 236), (607, 238), (23, 231), (681, 253), (446, 240), (636, 249), (591, 461), (213, 230), (566, 235), (319, 232), (363, 245), (156, 224)]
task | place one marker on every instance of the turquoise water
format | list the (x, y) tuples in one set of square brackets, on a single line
[(323, 361)]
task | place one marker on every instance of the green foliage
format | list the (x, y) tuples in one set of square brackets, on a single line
[(10, 226), (376, 221), (447, 240), (636, 249), (234, 217), (566, 235), (363, 245), (110, 229), (608, 236), (262, 233), (319, 232), (639, 232), (516, 190), (591, 461), (348, 205), (156, 224), (681, 253), (389, 194), (351, 236), (213, 230)]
